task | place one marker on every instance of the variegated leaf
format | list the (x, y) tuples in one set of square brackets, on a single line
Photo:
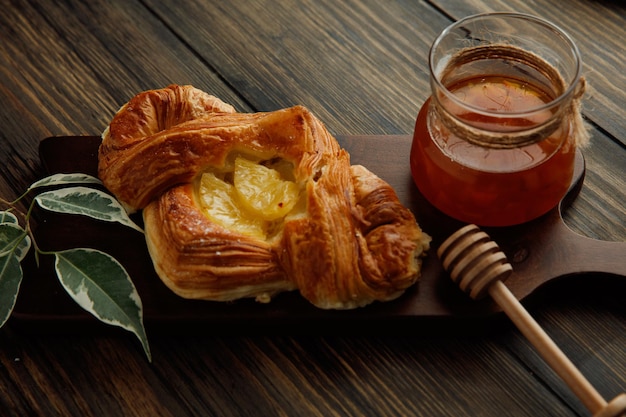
[(14, 239), (8, 217), (100, 285), (65, 179), (88, 202), (10, 279)]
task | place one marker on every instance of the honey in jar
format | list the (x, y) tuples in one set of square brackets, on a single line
[(495, 143)]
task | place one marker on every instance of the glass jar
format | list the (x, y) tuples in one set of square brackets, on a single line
[(495, 143)]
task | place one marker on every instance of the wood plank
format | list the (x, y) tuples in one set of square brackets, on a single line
[(600, 38), (360, 376), (85, 67), (589, 326), (359, 65), (599, 211), (351, 58), (87, 70), (267, 376), (78, 375)]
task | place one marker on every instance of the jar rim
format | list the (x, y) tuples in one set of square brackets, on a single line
[(571, 84)]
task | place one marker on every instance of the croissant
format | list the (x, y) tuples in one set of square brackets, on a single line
[(239, 205)]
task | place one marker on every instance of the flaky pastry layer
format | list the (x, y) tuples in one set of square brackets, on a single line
[(351, 241)]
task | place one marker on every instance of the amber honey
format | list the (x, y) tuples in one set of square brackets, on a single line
[(492, 186)]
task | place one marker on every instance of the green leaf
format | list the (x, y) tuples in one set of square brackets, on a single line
[(8, 217), (14, 245), (100, 285), (14, 240), (88, 202), (64, 179), (10, 279)]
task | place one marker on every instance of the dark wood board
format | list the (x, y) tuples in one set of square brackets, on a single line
[(541, 251)]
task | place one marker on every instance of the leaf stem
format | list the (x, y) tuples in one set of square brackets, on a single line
[(17, 200)]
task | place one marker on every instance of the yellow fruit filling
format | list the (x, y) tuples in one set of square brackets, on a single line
[(257, 198)]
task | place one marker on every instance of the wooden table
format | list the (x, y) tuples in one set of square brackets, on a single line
[(361, 67)]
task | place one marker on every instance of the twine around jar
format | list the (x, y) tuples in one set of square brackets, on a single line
[(508, 140)]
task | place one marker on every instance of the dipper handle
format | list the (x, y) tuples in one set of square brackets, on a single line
[(479, 267)]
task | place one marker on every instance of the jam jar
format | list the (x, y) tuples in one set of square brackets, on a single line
[(494, 144)]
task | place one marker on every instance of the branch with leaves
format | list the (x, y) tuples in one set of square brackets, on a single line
[(95, 280)]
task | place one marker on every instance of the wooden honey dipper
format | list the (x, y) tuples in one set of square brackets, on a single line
[(479, 267)]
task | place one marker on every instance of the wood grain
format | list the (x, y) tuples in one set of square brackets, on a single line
[(341, 48), (68, 70), (66, 66), (552, 252)]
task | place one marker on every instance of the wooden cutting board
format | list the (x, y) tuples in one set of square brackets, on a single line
[(540, 251)]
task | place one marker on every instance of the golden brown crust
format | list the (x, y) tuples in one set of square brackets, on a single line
[(350, 243), (140, 169), (197, 258), (127, 153), (152, 111), (359, 244)]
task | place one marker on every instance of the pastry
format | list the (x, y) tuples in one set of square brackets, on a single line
[(239, 205)]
